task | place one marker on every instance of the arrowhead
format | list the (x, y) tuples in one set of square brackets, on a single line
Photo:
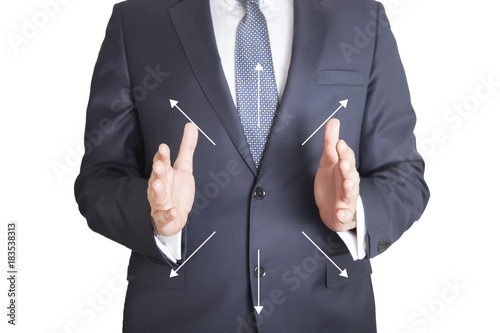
[(258, 67), (344, 102), (344, 273), (173, 103), (173, 274), (258, 309)]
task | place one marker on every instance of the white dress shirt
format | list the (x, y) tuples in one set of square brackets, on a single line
[(226, 15)]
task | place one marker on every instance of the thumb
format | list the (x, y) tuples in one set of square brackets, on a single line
[(164, 217), (184, 159), (330, 155)]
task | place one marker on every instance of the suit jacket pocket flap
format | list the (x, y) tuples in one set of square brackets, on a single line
[(340, 77), (354, 269)]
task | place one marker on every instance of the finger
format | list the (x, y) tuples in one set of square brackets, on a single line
[(184, 160), (158, 194), (154, 174), (163, 154), (346, 217), (347, 160), (159, 171), (350, 191), (345, 152), (161, 163), (165, 217), (331, 139)]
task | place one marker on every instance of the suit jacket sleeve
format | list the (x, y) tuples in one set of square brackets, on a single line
[(392, 183), (111, 189)]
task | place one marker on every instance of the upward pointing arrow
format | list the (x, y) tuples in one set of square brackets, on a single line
[(343, 103), (259, 69), (173, 104)]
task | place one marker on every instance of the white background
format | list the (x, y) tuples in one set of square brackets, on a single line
[(446, 46)]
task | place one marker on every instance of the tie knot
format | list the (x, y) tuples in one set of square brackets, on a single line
[(245, 2)]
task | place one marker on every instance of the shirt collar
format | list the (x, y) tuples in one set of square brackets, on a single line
[(273, 4)]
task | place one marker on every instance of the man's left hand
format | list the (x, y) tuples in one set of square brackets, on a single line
[(336, 186)]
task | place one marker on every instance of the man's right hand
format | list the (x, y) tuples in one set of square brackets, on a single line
[(171, 190)]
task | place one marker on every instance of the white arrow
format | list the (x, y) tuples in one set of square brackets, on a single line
[(343, 103), (173, 103), (258, 308), (259, 69), (173, 273), (343, 273)]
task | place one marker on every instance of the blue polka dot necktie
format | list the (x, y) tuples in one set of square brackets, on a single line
[(256, 92)]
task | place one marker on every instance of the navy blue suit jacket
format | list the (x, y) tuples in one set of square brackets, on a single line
[(157, 50)]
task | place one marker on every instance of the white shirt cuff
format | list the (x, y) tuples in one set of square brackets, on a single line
[(355, 241), (170, 246)]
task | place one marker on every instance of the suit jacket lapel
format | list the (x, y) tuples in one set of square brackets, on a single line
[(310, 28), (193, 23)]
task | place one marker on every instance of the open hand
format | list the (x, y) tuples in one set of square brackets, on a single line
[(336, 185), (171, 190)]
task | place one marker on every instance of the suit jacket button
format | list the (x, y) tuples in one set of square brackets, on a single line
[(384, 245), (262, 271), (259, 193)]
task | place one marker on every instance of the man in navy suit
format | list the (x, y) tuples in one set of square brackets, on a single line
[(220, 243)]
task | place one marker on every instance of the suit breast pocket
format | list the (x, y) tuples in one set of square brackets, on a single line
[(355, 270), (340, 77)]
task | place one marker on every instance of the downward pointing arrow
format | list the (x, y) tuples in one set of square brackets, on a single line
[(173, 273), (343, 273), (173, 104), (343, 103), (258, 308)]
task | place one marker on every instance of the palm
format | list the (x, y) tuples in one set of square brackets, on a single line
[(336, 185), (180, 195), (328, 192), (171, 189)]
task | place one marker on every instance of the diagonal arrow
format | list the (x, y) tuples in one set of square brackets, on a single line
[(259, 69), (343, 103), (343, 273), (173, 103), (258, 308), (173, 273)]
